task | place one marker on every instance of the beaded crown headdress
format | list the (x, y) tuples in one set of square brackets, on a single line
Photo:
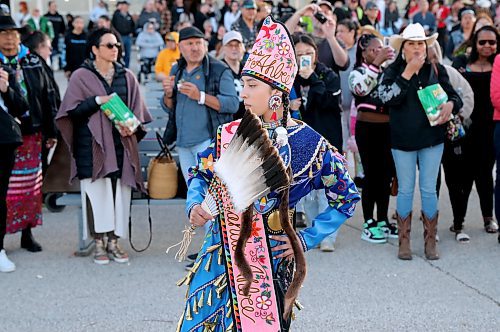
[(272, 59)]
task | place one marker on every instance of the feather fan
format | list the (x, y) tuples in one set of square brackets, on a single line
[(250, 167)]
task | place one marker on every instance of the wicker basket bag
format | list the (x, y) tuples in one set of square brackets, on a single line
[(162, 174)]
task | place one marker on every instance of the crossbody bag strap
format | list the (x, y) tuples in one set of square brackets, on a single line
[(150, 229)]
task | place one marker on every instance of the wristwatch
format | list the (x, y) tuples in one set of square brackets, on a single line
[(201, 101), (98, 100)]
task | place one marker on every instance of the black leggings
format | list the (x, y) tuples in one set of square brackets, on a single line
[(454, 166), (7, 158), (374, 145), (479, 148)]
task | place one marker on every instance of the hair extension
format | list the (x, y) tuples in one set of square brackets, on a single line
[(286, 109), (239, 255), (300, 260), (363, 43)]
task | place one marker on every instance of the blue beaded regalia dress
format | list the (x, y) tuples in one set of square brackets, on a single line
[(315, 164)]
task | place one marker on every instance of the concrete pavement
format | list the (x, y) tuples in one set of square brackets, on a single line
[(359, 287)]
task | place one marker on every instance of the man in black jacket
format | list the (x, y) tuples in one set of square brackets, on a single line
[(59, 30), (124, 24)]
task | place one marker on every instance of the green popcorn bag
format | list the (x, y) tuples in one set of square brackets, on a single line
[(116, 110), (431, 98)]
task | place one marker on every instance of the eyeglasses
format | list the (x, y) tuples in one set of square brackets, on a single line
[(111, 45), (489, 41)]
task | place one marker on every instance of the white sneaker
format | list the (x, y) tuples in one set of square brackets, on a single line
[(327, 245), (6, 264)]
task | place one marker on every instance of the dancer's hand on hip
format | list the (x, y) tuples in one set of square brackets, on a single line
[(198, 216), (286, 246)]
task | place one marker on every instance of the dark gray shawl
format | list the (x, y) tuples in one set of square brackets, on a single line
[(82, 85)]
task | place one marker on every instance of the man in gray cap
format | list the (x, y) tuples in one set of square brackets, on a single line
[(199, 96), (233, 51), (371, 16), (247, 24)]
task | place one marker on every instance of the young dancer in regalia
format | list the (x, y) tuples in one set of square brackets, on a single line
[(251, 265)]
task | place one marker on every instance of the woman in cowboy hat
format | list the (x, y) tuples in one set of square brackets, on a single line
[(412, 136)]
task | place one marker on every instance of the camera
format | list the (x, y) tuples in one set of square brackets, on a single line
[(320, 17)]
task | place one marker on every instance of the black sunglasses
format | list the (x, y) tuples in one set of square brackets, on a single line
[(111, 45), (489, 41)]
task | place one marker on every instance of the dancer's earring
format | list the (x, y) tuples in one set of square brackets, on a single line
[(274, 103)]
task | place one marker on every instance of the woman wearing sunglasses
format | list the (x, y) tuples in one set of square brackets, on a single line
[(105, 159), (478, 142)]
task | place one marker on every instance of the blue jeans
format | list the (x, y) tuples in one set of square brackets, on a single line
[(429, 161), (188, 157), (127, 47)]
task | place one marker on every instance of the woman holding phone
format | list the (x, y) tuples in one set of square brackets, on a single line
[(320, 109), (373, 137)]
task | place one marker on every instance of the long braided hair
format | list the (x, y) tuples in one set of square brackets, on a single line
[(246, 230), (363, 42), (286, 225)]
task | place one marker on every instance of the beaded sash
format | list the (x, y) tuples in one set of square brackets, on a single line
[(258, 311)]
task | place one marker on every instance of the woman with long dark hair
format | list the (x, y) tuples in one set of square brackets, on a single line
[(105, 159), (216, 297), (373, 137), (412, 136), (478, 143)]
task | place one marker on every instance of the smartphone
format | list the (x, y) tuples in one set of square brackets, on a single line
[(387, 41), (320, 17), (305, 61)]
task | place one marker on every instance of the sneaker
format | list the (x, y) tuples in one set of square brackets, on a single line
[(189, 266), (100, 255), (300, 220), (390, 230), (192, 257), (116, 253), (327, 245), (373, 234), (6, 264)]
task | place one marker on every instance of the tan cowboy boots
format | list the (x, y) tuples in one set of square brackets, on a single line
[(430, 231), (404, 228)]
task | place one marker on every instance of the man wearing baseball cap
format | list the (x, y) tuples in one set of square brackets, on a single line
[(247, 24), (371, 15), (199, 96), (233, 50)]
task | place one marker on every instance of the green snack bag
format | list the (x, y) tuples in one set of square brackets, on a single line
[(116, 110), (431, 98)]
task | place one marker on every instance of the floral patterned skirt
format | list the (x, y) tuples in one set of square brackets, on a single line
[(24, 197)]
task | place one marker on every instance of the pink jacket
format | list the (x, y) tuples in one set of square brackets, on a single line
[(495, 88)]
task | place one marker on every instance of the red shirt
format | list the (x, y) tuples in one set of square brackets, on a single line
[(442, 13)]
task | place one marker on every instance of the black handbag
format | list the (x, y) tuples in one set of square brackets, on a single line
[(10, 132), (170, 134)]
